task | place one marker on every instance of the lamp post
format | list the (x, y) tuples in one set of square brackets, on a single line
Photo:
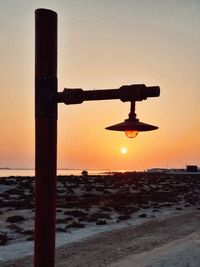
[(46, 100), (46, 136)]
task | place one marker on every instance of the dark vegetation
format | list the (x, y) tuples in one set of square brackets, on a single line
[(3, 238), (100, 199)]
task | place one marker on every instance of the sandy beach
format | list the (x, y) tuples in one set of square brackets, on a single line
[(154, 243), (136, 219)]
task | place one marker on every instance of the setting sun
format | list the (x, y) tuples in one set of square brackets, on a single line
[(158, 44), (123, 150)]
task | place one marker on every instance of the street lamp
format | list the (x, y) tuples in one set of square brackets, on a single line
[(46, 99), (131, 93), (132, 125)]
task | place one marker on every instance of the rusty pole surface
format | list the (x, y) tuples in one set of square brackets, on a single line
[(46, 136)]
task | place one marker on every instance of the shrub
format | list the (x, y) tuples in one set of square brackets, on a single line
[(75, 224), (15, 218), (101, 222), (3, 238)]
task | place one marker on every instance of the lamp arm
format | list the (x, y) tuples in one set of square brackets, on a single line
[(134, 92)]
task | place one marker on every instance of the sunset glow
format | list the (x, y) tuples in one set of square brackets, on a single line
[(123, 150), (104, 45)]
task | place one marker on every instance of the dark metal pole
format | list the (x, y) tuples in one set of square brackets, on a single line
[(46, 136)]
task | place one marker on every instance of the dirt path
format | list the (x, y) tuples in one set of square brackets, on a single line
[(182, 252), (109, 248)]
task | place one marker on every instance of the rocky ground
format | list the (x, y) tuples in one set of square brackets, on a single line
[(99, 199)]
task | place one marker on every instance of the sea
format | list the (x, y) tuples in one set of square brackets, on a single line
[(31, 172)]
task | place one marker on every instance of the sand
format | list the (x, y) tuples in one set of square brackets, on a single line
[(166, 242)]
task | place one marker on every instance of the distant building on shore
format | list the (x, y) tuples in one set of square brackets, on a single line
[(192, 168), (189, 168)]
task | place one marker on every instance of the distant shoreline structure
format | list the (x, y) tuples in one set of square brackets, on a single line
[(60, 172), (60, 169), (26, 172)]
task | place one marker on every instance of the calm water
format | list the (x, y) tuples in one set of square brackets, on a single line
[(12, 172)]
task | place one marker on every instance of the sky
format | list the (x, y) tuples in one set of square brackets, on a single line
[(106, 44)]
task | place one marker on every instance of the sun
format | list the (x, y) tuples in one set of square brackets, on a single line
[(123, 150)]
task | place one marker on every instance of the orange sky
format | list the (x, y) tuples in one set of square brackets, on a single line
[(106, 44)]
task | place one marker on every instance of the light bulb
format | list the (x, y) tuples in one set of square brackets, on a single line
[(131, 133)]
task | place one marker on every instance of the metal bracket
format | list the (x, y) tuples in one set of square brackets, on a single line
[(134, 92), (46, 87)]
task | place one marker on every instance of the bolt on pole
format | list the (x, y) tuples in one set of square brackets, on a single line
[(46, 136)]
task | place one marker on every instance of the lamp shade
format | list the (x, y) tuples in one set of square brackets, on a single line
[(132, 125)]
